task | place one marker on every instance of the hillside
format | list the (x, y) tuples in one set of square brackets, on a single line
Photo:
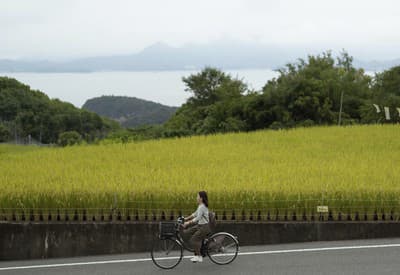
[(350, 169), (29, 113), (130, 111)]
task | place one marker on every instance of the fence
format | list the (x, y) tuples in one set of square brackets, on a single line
[(247, 215)]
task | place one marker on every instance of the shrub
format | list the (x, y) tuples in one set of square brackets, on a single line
[(69, 138), (5, 134)]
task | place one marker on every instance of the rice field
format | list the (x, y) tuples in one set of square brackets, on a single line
[(267, 174)]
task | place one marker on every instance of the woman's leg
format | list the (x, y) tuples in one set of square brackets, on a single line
[(188, 234), (198, 237)]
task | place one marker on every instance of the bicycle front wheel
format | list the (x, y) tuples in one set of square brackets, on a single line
[(222, 248), (166, 253)]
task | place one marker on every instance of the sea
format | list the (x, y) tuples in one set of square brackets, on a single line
[(165, 87)]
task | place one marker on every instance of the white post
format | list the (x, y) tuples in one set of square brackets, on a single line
[(387, 113), (378, 110)]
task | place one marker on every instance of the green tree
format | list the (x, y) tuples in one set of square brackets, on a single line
[(310, 91), (385, 92), (213, 105), (212, 85), (5, 134), (69, 138)]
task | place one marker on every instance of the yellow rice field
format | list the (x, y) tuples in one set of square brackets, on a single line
[(349, 169)]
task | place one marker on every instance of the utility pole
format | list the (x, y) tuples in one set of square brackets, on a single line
[(345, 61)]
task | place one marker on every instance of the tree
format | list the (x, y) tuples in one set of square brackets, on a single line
[(385, 92), (212, 85), (310, 91), (215, 104), (69, 138), (5, 134)]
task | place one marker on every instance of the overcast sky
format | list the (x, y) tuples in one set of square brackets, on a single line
[(74, 28)]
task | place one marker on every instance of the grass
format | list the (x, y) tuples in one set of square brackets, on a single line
[(350, 169)]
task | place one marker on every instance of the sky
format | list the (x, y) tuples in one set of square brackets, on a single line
[(65, 29)]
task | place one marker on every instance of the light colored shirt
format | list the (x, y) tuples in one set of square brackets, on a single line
[(201, 215)]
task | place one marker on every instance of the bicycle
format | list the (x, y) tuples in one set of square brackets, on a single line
[(167, 252)]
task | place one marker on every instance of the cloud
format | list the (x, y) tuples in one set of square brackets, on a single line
[(71, 28)]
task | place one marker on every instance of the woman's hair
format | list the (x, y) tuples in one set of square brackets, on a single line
[(204, 198)]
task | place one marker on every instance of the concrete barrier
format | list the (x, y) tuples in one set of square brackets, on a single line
[(68, 239)]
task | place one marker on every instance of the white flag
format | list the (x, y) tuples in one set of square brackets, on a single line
[(378, 110), (387, 113), (398, 110)]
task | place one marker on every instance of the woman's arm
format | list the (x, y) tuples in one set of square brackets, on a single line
[(199, 213), (190, 219), (187, 223)]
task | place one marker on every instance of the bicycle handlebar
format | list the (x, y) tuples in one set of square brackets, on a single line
[(180, 220)]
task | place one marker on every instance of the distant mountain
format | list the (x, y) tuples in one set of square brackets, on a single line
[(375, 65), (130, 111), (160, 56)]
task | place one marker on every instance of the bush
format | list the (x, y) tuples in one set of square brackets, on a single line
[(306, 123), (276, 125), (5, 134), (69, 138)]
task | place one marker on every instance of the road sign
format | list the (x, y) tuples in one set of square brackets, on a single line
[(322, 209)]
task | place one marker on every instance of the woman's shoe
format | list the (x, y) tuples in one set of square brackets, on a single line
[(194, 259), (197, 259)]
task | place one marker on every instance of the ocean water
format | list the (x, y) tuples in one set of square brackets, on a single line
[(165, 87)]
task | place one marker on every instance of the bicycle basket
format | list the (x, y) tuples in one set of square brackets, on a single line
[(167, 229)]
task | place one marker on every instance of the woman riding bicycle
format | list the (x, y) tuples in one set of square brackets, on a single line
[(221, 247), (199, 226)]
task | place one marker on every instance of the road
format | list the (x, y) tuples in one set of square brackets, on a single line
[(379, 256)]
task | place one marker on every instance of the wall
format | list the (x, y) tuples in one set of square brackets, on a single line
[(67, 239)]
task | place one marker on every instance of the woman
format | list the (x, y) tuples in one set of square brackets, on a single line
[(200, 228)]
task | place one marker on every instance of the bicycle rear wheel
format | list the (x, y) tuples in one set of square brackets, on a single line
[(166, 253), (222, 248)]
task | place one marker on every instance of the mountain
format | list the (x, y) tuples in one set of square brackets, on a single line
[(130, 111), (376, 65), (160, 56)]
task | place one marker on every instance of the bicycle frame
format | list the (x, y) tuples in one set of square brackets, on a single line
[(181, 241), (178, 236)]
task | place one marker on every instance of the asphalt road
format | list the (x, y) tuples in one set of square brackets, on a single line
[(344, 257)]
